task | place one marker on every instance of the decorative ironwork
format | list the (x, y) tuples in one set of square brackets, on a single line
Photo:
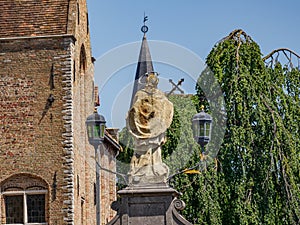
[(144, 28), (176, 86), (51, 78)]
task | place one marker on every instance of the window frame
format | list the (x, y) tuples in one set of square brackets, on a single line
[(25, 211)]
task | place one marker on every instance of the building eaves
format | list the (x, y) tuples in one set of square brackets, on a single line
[(113, 142)]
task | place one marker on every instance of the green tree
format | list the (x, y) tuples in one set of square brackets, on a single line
[(259, 161), (255, 178)]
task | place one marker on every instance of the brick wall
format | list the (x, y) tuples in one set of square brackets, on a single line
[(108, 182), (46, 94), (31, 126), (83, 99)]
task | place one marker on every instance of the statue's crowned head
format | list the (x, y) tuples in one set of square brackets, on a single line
[(152, 79)]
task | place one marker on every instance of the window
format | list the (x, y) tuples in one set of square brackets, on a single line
[(25, 207), (24, 200), (36, 208), (87, 23), (14, 209), (82, 66)]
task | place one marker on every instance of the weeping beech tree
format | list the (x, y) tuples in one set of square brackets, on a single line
[(258, 173), (255, 178)]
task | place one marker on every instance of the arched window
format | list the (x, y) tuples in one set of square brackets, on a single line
[(87, 23), (83, 65), (24, 200)]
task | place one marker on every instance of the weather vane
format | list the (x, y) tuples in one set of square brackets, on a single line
[(144, 28)]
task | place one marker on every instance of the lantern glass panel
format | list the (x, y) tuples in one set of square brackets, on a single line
[(102, 129), (202, 129), (207, 129), (97, 130), (196, 128), (90, 130)]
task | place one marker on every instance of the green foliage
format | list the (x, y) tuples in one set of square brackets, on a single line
[(258, 181), (173, 136), (126, 142), (180, 145), (256, 177)]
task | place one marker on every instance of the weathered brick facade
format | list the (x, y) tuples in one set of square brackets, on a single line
[(46, 94)]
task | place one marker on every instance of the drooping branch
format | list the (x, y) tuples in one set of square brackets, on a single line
[(239, 35), (274, 57)]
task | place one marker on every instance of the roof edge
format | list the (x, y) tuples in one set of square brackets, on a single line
[(113, 142), (40, 37)]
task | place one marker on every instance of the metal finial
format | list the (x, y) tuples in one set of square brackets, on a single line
[(145, 18), (144, 28)]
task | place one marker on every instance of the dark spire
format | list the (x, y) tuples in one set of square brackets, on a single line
[(144, 64)]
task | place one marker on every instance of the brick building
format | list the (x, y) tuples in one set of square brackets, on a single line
[(47, 167)]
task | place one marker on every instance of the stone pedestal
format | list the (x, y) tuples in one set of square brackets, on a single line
[(148, 206)]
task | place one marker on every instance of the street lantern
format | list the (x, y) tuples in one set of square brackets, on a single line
[(95, 125), (202, 126)]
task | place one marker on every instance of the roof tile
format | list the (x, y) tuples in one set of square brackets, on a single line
[(33, 17)]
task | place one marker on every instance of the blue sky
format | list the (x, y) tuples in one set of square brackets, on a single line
[(193, 25)]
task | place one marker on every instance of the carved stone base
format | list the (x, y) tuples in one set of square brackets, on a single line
[(148, 205)]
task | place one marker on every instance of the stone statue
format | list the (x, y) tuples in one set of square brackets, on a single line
[(147, 120)]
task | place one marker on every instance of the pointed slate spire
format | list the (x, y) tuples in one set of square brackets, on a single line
[(144, 64)]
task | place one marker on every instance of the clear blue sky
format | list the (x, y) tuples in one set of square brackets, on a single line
[(192, 24)]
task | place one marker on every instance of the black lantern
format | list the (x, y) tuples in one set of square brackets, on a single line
[(95, 125), (202, 125)]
